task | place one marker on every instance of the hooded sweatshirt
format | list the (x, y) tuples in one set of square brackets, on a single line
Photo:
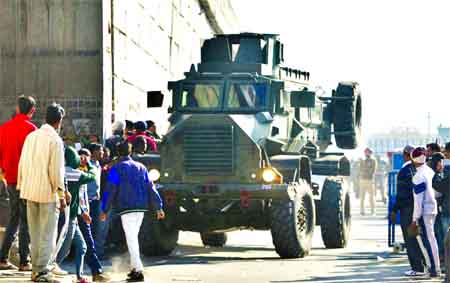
[(75, 179)]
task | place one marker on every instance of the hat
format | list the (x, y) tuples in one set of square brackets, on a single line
[(140, 126), (435, 158), (368, 151), (419, 155), (129, 124), (71, 157), (118, 126), (408, 149)]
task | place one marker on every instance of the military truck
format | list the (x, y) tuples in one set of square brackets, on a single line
[(246, 135)]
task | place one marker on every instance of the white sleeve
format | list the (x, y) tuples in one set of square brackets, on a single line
[(419, 189)]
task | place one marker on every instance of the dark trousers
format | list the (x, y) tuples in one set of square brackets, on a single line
[(91, 254), (415, 255), (17, 221)]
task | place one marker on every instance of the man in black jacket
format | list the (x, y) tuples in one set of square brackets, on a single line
[(404, 203)]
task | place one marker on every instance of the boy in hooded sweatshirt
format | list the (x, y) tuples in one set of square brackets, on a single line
[(75, 179)]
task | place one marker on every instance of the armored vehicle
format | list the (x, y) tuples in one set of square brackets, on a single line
[(247, 133)]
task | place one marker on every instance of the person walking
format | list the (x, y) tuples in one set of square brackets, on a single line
[(425, 210), (367, 169), (12, 137), (41, 183), (130, 190), (404, 203)]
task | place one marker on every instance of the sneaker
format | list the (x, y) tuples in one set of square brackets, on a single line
[(25, 267), (101, 277), (133, 271), (43, 277), (413, 273), (6, 265), (58, 271), (136, 276)]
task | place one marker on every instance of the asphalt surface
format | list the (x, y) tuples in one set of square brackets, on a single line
[(249, 257)]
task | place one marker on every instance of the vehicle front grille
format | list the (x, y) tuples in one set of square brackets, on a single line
[(209, 151)]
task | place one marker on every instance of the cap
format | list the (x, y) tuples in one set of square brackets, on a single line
[(129, 124), (418, 155), (408, 149), (368, 150), (140, 126)]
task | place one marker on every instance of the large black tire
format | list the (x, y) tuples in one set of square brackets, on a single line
[(214, 239), (335, 216), (347, 115), (157, 238), (293, 224)]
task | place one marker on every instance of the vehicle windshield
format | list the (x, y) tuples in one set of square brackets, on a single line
[(204, 96), (210, 96), (246, 95)]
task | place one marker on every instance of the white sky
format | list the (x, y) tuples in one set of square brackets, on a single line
[(398, 50)]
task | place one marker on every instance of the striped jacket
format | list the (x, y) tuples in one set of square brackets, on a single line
[(41, 166)]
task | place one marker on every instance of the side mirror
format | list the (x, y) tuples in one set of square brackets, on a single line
[(303, 99), (154, 99)]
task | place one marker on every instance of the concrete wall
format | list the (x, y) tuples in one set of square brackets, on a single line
[(51, 49), (154, 42), (99, 57)]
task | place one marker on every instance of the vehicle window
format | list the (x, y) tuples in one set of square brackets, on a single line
[(244, 95), (201, 96)]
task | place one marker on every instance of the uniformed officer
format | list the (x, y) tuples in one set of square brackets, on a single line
[(367, 169)]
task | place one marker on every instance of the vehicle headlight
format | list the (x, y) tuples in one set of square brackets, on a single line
[(154, 175), (268, 175)]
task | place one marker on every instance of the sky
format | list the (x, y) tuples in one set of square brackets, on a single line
[(398, 50)]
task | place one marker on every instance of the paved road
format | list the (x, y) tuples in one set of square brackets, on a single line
[(249, 257)]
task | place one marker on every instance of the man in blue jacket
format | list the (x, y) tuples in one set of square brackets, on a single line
[(130, 190), (404, 202)]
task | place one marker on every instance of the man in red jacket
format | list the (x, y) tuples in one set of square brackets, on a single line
[(12, 138)]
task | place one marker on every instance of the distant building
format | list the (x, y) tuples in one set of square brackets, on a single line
[(99, 58)]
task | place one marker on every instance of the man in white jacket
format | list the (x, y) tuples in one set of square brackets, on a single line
[(425, 211)]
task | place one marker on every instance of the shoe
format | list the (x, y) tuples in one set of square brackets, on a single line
[(25, 267), (43, 277), (435, 274), (58, 271), (83, 280), (133, 271), (6, 265), (136, 276), (33, 276), (101, 277), (413, 273)]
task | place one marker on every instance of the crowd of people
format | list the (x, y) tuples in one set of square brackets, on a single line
[(61, 196), (423, 205)]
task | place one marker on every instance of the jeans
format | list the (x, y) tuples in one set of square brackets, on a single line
[(17, 218), (103, 231), (415, 256), (131, 223), (94, 211), (91, 255), (74, 237), (42, 222)]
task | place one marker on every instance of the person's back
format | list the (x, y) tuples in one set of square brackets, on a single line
[(40, 159)]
